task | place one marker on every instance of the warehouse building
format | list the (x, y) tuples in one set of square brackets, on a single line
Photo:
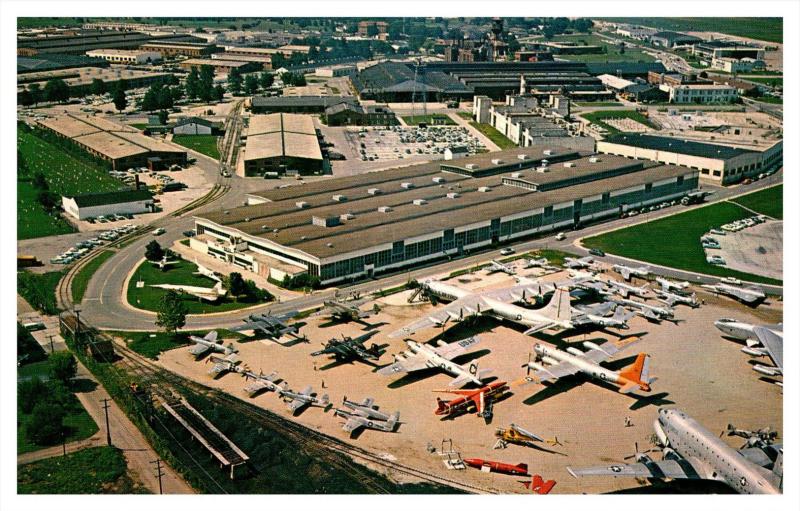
[(349, 114), (717, 49), (122, 202), (122, 146), (196, 126), (125, 56), (669, 39), (264, 62), (700, 93), (79, 44), (170, 49), (297, 104), (79, 80), (719, 163), (222, 67), (282, 144), (359, 226), (56, 61)]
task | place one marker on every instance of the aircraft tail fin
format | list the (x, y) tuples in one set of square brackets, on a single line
[(440, 405), (558, 308), (211, 336), (638, 372)]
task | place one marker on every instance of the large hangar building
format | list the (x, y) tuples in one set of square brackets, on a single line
[(358, 226)]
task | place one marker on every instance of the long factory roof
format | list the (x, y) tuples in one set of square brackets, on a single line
[(282, 135), (285, 222)]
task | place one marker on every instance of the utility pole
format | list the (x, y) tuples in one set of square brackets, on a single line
[(159, 474), (50, 337), (108, 428)]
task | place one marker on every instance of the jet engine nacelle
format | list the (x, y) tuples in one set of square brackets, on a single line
[(769, 371), (550, 360), (754, 352), (575, 351), (662, 437), (536, 365), (590, 345)]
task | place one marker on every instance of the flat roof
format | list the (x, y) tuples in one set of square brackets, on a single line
[(112, 51), (84, 75), (276, 135), (676, 145), (369, 227), (213, 62)]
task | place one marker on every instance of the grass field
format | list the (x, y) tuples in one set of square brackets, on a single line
[(765, 29), (205, 144), (613, 52), (148, 298), (674, 241), (495, 136), (767, 202), (89, 471), (430, 119), (465, 115), (39, 289), (83, 276), (599, 116), (770, 99), (65, 175), (772, 81)]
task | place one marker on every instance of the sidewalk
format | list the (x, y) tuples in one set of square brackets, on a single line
[(491, 146)]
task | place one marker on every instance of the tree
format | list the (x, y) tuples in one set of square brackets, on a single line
[(40, 181), (163, 117), (236, 285), (36, 92), (206, 83), (172, 312), (120, 100), (30, 392), (56, 89), (98, 87), (251, 84), (153, 251), (63, 366), (235, 82), (192, 84), (266, 80), (48, 200), (149, 101), (47, 423), (219, 93), (25, 98)]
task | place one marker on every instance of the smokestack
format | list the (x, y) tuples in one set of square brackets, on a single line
[(136, 182)]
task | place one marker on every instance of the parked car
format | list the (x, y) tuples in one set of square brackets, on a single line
[(507, 251), (159, 231), (597, 252), (561, 236)]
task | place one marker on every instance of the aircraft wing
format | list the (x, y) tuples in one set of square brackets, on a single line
[(455, 349), (744, 295), (415, 362), (256, 386), (256, 326), (772, 342), (554, 372), (761, 456), (218, 368), (521, 292), (353, 423), (626, 274), (686, 468), (199, 349), (296, 403), (461, 308)]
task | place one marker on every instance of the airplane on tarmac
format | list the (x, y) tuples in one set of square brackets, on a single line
[(273, 326), (366, 415), (497, 266), (627, 271), (552, 364), (598, 315), (423, 356), (262, 382), (340, 310), (211, 294), (350, 348), (768, 337), (205, 272), (671, 299), (625, 290), (164, 262), (749, 295), (670, 285), (515, 435), (692, 452), (498, 303), (542, 262), (579, 263), (479, 400), (296, 401), (650, 312), (210, 343), (224, 365)]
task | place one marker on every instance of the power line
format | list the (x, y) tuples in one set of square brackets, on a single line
[(159, 474), (106, 406)]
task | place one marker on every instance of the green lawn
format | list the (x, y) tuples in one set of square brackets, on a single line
[(772, 81), (770, 99), (205, 144), (83, 276), (65, 175), (613, 52), (39, 289), (765, 29), (138, 125), (495, 136), (430, 119), (148, 298), (674, 241), (93, 470), (465, 115), (599, 116), (767, 202)]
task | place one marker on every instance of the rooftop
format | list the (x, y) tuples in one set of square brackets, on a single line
[(118, 197), (214, 62), (275, 135), (676, 145)]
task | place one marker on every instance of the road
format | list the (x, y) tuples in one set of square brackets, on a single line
[(105, 307)]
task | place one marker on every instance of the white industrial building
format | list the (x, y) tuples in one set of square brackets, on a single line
[(195, 126), (122, 202), (700, 93), (125, 56)]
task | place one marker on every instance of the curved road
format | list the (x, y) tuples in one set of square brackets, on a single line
[(105, 307)]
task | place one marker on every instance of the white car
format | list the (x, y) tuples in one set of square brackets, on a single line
[(561, 236), (715, 260), (159, 231), (507, 251)]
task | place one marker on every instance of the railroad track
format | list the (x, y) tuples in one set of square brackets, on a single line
[(312, 441)]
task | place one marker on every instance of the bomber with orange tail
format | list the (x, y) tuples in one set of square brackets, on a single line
[(551, 364)]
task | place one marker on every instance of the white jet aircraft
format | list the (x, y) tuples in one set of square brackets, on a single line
[(748, 295), (210, 294), (768, 337), (210, 343), (424, 356), (627, 271)]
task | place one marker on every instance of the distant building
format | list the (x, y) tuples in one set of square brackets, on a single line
[(263, 61), (717, 49), (125, 56), (222, 66), (82, 41), (196, 126), (732, 66), (669, 39), (368, 28), (297, 104), (334, 71), (700, 93), (282, 143), (123, 202), (349, 114), (456, 152), (533, 56), (715, 162), (169, 50)]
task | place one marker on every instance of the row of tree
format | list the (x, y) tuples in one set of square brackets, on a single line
[(47, 402), (250, 84)]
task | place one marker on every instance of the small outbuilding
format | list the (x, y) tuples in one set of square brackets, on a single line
[(121, 202)]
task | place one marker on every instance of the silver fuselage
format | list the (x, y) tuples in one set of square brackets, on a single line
[(554, 356), (434, 360)]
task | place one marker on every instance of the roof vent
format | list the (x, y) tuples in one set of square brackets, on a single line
[(438, 180), (497, 161), (384, 209), (346, 216), (548, 152), (406, 185), (247, 219), (516, 175), (226, 212), (542, 169), (274, 231), (420, 202), (329, 245), (453, 195), (301, 204), (339, 198), (594, 159), (471, 166), (484, 189), (302, 238), (323, 221), (569, 164), (374, 191), (522, 156)]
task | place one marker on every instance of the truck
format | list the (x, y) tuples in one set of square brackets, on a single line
[(695, 197)]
